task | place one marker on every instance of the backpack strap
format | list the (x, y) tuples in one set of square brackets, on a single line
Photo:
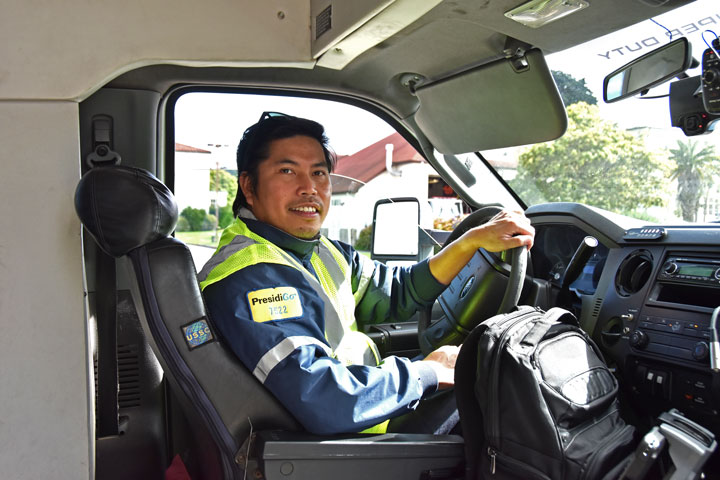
[(541, 327), (471, 420)]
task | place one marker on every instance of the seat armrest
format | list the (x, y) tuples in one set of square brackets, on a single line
[(392, 456)]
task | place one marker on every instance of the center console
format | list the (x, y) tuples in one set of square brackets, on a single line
[(669, 336)]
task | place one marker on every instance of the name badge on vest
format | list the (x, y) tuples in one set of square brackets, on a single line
[(280, 303)]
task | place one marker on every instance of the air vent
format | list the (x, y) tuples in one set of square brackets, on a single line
[(128, 376), (323, 22), (634, 272), (596, 307)]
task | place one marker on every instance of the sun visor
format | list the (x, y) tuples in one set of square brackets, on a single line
[(506, 103)]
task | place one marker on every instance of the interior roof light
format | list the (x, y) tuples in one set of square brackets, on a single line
[(537, 13)]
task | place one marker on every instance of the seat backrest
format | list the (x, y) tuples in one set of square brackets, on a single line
[(131, 214)]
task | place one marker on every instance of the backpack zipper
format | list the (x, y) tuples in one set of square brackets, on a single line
[(517, 468), (493, 399), (492, 453)]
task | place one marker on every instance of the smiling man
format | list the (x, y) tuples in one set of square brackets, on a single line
[(292, 304)]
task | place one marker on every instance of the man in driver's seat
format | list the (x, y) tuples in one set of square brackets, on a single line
[(291, 303)]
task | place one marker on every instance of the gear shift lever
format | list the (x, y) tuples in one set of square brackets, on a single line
[(578, 261)]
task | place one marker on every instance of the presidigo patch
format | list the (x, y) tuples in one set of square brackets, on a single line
[(197, 333), (279, 303)]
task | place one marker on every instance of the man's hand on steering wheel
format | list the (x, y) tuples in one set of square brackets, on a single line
[(506, 230), (493, 230)]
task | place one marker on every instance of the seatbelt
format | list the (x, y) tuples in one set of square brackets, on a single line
[(105, 296), (107, 364)]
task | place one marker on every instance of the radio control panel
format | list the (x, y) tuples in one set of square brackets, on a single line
[(675, 319), (701, 271)]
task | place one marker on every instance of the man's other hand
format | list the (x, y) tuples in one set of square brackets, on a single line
[(442, 361)]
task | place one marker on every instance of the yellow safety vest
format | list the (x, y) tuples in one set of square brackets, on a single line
[(239, 247)]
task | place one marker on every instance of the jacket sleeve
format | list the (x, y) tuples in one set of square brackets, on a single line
[(292, 359), (389, 294)]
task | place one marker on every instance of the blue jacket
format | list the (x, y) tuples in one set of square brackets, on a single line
[(325, 395)]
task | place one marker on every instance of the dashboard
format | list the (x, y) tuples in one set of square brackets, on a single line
[(646, 296)]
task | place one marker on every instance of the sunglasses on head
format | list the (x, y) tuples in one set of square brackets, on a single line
[(266, 115)]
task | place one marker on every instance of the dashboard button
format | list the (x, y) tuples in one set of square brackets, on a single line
[(670, 268), (701, 351), (639, 339)]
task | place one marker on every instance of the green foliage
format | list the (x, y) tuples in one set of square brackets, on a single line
[(182, 225), (364, 239), (695, 165), (226, 216), (198, 219), (194, 217), (226, 183), (596, 163), (573, 90), (208, 222)]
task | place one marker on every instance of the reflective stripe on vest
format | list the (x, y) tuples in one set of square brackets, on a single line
[(239, 247)]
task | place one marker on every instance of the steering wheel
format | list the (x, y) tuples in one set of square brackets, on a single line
[(446, 331)]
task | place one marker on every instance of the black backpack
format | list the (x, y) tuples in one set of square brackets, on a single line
[(537, 401)]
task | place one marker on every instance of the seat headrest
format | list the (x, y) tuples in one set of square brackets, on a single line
[(124, 208)]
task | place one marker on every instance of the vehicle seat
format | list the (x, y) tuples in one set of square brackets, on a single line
[(131, 214)]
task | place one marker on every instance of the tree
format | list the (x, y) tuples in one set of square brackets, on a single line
[(198, 219), (695, 165), (227, 182), (573, 90), (596, 163), (364, 239), (226, 215)]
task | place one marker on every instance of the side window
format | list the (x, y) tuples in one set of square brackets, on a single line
[(374, 162)]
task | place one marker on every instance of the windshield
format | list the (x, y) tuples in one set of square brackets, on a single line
[(625, 157)]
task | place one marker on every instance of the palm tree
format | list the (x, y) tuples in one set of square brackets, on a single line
[(695, 165)]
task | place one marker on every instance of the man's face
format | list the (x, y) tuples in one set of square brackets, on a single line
[(293, 189)]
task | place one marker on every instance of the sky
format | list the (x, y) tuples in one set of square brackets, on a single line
[(204, 119), (594, 60)]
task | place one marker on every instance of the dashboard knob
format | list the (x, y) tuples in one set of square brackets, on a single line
[(717, 274), (710, 75), (670, 268), (639, 339), (701, 351)]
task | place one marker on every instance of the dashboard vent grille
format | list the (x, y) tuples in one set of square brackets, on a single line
[(596, 307), (633, 273)]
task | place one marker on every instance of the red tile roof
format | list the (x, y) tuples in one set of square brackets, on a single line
[(369, 162), (179, 147)]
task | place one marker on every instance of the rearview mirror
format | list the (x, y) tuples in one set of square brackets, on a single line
[(650, 70), (396, 229)]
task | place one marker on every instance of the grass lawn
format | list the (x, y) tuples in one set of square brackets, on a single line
[(199, 238)]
